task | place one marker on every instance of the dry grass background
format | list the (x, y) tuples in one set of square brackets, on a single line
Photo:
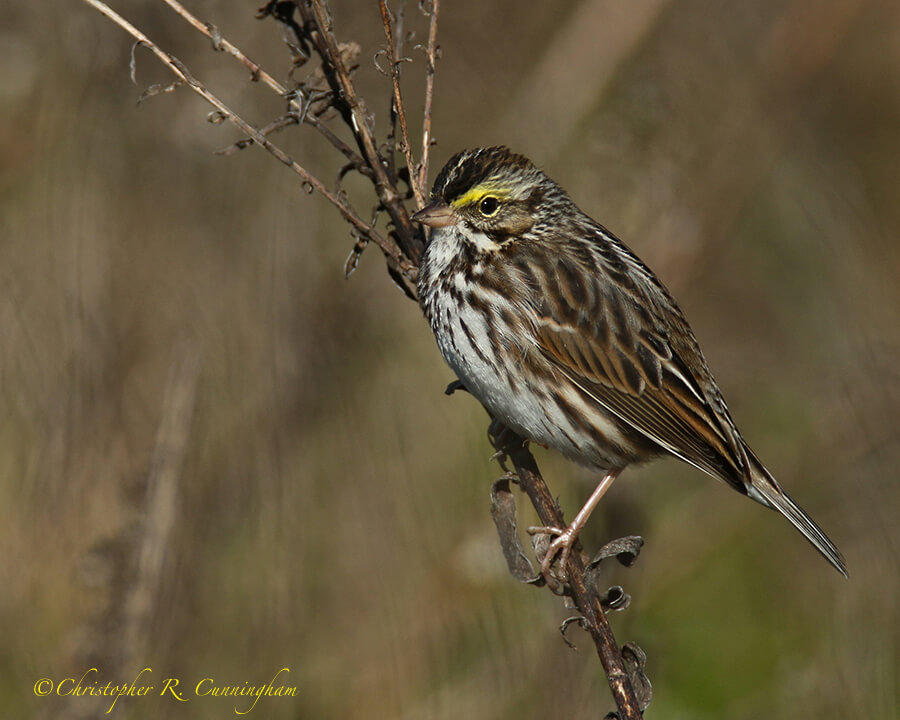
[(332, 505)]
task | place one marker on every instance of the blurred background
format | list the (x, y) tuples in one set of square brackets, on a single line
[(170, 314)]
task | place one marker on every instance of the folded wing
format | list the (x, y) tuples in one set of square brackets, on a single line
[(608, 324)]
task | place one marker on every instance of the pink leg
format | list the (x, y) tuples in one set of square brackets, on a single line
[(565, 538)]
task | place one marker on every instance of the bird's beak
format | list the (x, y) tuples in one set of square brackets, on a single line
[(436, 214)]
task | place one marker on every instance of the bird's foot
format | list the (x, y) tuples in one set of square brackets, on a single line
[(561, 546)]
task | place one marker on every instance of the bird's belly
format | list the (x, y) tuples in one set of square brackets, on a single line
[(546, 409)]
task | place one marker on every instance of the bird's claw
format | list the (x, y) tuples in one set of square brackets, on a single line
[(562, 545)]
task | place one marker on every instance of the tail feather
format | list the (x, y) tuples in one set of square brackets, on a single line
[(766, 490)]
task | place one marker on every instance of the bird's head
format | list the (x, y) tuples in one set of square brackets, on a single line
[(491, 195)]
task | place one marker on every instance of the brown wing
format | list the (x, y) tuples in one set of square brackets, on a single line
[(610, 326)]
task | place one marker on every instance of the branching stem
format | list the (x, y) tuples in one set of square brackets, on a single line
[(388, 247), (404, 243)]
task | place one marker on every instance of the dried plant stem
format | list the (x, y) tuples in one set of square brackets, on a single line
[(220, 43), (430, 54), (358, 118), (586, 600), (398, 102)]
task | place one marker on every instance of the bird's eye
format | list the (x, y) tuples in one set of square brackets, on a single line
[(489, 206)]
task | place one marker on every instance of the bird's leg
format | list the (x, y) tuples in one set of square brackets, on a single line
[(566, 537)]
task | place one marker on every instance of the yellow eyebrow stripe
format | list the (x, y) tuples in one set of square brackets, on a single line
[(478, 192)]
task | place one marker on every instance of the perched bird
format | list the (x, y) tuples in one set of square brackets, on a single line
[(570, 340)]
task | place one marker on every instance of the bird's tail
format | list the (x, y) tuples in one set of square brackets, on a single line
[(765, 489)]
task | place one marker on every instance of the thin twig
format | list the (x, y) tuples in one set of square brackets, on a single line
[(270, 129), (422, 180), (390, 144), (398, 100), (220, 43)]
